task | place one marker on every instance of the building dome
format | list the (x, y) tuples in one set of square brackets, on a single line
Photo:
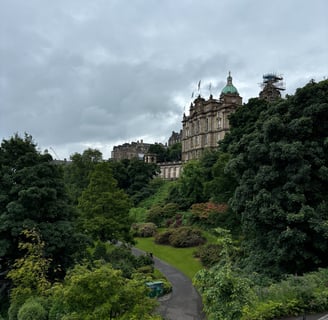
[(229, 88)]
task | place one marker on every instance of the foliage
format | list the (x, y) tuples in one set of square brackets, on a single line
[(77, 172), (104, 208), (166, 154), (161, 189), (29, 273), (182, 237), (134, 177), (295, 295), (101, 293), (158, 214), (159, 150), (189, 187), (225, 293), (32, 195), (147, 229), (281, 165), (220, 184), (206, 213), (120, 258), (32, 309), (208, 254), (174, 152), (224, 290)]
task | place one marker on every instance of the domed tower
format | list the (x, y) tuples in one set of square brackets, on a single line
[(230, 94), (208, 121)]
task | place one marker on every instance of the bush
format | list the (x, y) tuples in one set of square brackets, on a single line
[(180, 237), (186, 237), (163, 237), (144, 230), (209, 254), (175, 221), (32, 310), (155, 214)]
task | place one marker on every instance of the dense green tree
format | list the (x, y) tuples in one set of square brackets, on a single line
[(77, 171), (189, 188), (32, 195), (221, 184), (140, 174), (281, 165), (242, 122), (224, 290), (104, 207), (159, 150), (174, 152), (101, 293)]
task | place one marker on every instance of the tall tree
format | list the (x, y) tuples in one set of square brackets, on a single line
[(32, 195), (77, 173), (282, 169), (104, 207)]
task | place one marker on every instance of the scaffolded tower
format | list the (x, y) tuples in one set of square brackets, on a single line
[(272, 86)]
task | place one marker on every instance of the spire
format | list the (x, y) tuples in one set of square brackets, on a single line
[(229, 79)]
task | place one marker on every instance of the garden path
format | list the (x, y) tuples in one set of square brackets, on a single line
[(184, 303)]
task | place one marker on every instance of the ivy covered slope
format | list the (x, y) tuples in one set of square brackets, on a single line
[(281, 164)]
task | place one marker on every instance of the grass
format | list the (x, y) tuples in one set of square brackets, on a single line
[(180, 258), (159, 196)]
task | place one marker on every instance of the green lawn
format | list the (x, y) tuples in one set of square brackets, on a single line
[(180, 258)]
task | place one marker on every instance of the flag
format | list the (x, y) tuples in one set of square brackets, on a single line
[(192, 95), (199, 85), (210, 87)]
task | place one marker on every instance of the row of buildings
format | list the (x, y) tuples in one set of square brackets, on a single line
[(204, 126)]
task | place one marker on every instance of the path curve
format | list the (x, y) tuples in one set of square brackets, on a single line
[(184, 303)]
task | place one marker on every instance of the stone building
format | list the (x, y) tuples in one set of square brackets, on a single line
[(272, 86), (175, 138), (130, 150), (207, 122)]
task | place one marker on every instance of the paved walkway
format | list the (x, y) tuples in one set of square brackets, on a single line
[(184, 303)]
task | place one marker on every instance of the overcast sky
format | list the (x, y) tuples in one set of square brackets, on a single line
[(97, 73)]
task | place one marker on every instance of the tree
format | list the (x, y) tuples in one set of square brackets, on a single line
[(189, 187), (159, 150), (29, 276), (224, 290), (101, 293), (221, 185), (77, 172), (174, 152), (105, 208), (32, 195), (282, 170)]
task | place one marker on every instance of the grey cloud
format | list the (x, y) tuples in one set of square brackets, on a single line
[(98, 73)]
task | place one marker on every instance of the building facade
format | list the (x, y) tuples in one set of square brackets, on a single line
[(130, 150), (208, 121)]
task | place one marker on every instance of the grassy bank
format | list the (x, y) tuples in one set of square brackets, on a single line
[(180, 258)]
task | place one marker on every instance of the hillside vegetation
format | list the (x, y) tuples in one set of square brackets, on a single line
[(249, 222)]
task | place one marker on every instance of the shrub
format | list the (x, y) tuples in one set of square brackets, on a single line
[(186, 237), (174, 222), (32, 310), (163, 237), (208, 213), (155, 214), (209, 254), (145, 230)]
